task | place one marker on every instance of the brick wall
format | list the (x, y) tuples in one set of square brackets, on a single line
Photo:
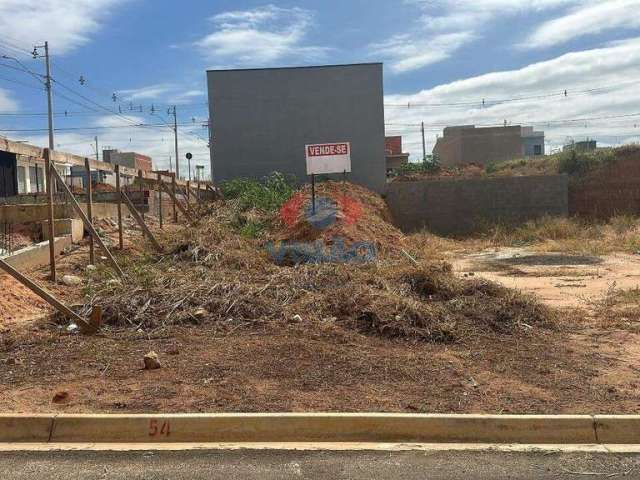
[(459, 206), (393, 145), (614, 189)]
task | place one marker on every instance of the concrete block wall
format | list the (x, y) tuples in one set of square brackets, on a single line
[(460, 206)]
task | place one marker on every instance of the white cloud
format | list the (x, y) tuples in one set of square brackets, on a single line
[(260, 36), (442, 27), (616, 68), (7, 102), (66, 24), (149, 92), (411, 54), (586, 20)]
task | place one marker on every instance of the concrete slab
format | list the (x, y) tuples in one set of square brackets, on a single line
[(36, 255)]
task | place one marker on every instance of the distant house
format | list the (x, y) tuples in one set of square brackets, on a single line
[(21, 169), (583, 146), (394, 156), (466, 144), (128, 159)]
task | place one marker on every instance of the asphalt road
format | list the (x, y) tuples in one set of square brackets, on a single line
[(268, 465)]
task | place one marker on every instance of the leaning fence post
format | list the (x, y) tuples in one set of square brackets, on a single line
[(119, 203), (160, 198), (48, 165), (141, 201), (87, 223), (173, 188), (89, 192)]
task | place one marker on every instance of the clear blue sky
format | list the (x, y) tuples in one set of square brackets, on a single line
[(156, 52)]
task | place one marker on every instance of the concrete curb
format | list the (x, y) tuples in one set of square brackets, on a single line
[(320, 427)]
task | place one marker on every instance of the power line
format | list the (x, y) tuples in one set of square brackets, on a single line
[(24, 84), (107, 127), (483, 102)]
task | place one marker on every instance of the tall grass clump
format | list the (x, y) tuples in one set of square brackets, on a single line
[(267, 194)]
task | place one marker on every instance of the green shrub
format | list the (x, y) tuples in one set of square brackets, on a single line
[(268, 194)]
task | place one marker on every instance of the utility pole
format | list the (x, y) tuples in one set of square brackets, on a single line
[(97, 157), (47, 84), (424, 146), (172, 111)]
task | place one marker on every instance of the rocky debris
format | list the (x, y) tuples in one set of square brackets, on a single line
[(71, 280), (151, 361), (61, 397)]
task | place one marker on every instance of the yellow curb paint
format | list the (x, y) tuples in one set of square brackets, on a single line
[(25, 428), (386, 428), (617, 428)]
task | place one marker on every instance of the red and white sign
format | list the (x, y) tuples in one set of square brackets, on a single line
[(328, 158)]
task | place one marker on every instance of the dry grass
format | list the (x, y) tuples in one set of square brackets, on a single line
[(215, 275), (567, 235), (618, 308)]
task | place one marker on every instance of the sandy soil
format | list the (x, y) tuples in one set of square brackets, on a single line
[(559, 280), (578, 367)]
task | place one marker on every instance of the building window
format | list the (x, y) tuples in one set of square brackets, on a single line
[(22, 180), (35, 179), (537, 149)]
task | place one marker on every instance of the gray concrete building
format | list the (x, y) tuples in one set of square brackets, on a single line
[(466, 144), (263, 118)]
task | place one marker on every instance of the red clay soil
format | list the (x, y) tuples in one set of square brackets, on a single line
[(309, 368), (300, 364)]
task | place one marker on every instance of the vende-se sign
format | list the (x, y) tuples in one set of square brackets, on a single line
[(328, 158)]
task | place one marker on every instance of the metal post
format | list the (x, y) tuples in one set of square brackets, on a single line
[(48, 165), (160, 198), (313, 194), (173, 189), (119, 203), (89, 192)]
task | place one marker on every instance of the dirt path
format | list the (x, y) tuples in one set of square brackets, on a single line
[(559, 280)]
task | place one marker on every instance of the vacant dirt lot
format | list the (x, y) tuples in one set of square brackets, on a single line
[(578, 367)]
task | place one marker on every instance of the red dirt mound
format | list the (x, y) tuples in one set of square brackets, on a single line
[(344, 210)]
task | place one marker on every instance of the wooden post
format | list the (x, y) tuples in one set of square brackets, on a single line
[(141, 194), (48, 165), (87, 223), (136, 215), (178, 204), (46, 296), (89, 192), (119, 203), (188, 194), (173, 197), (160, 198)]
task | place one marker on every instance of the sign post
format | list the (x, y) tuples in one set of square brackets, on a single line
[(189, 157), (325, 158)]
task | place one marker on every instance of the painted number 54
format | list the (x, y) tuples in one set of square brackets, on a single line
[(159, 428)]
